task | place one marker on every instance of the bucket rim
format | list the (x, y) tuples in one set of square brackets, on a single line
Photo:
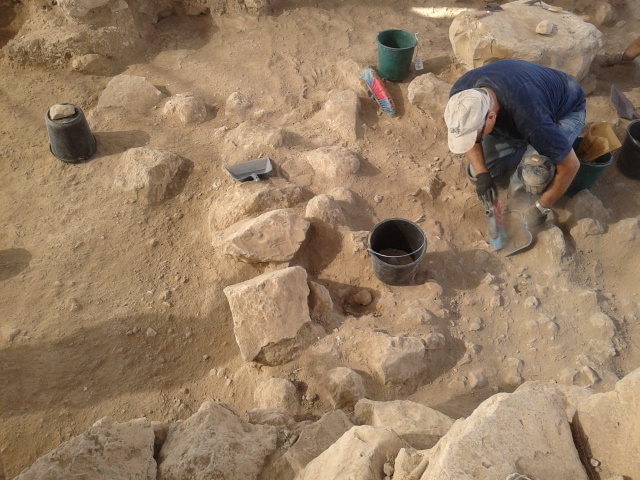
[(630, 137), (422, 246)]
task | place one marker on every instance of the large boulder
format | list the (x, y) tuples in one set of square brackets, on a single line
[(215, 443), (360, 454), (570, 47), (274, 236), (524, 432), (107, 451), (151, 174), (429, 94), (420, 426), (269, 312), (609, 424)]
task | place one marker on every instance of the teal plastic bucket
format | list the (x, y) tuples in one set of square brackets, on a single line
[(588, 173), (395, 52)]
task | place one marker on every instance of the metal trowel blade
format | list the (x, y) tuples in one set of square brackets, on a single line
[(624, 107), (250, 169), (518, 236)]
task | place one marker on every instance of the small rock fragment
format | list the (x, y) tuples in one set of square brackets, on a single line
[(59, 111)]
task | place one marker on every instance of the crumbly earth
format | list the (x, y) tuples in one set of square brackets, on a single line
[(86, 269)]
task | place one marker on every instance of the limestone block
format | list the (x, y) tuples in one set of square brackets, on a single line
[(429, 94), (396, 360), (151, 173), (605, 14), (608, 423), (80, 8), (340, 113), (252, 198), (316, 438), (130, 92), (326, 209), (186, 108), (552, 246), (359, 454), (344, 387), (107, 451), (277, 393), (268, 313), (274, 236), (238, 106), (333, 164), (512, 34), (418, 425), (524, 432), (586, 205), (250, 139), (215, 443), (570, 395), (410, 464)]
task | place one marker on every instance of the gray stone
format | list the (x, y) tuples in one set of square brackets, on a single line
[(130, 92), (149, 173), (360, 454), (185, 107), (608, 424), (108, 450), (269, 312), (59, 111), (512, 34), (201, 446), (420, 426), (274, 236)]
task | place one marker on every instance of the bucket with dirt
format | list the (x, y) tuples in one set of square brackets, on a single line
[(395, 52), (588, 173), (629, 156), (396, 247)]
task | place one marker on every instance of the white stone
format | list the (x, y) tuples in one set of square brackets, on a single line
[(410, 464), (420, 426), (215, 443), (274, 236), (326, 209), (59, 111), (333, 164), (605, 14), (238, 106), (608, 423), (546, 27), (148, 172), (507, 433), (344, 387), (269, 312), (360, 454), (316, 438), (340, 113), (277, 393), (396, 360), (107, 451), (130, 92), (429, 94), (512, 34), (187, 108)]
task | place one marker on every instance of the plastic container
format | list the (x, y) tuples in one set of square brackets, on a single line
[(629, 156), (70, 138), (588, 173), (395, 52), (396, 247)]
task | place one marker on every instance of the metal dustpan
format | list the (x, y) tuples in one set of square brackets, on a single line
[(518, 236), (623, 106), (250, 169)]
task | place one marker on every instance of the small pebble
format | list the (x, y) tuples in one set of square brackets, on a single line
[(58, 283), (363, 297), (151, 332), (13, 334)]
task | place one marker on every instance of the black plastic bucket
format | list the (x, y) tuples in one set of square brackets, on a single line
[(629, 156), (70, 138), (396, 247), (588, 173)]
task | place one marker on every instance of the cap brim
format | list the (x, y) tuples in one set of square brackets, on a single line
[(463, 143)]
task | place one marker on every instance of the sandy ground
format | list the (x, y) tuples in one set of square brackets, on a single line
[(82, 264)]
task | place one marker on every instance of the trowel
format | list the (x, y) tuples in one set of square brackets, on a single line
[(623, 106), (251, 169)]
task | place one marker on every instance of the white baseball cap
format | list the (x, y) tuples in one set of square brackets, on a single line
[(464, 115)]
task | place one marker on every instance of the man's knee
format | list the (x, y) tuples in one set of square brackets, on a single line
[(536, 172)]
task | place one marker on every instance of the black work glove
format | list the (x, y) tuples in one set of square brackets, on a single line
[(534, 217), (486, 189)]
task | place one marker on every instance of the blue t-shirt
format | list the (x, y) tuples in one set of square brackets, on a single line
[(532, 100)]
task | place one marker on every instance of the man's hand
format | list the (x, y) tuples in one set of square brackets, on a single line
[(486, 189), (534, 217)]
